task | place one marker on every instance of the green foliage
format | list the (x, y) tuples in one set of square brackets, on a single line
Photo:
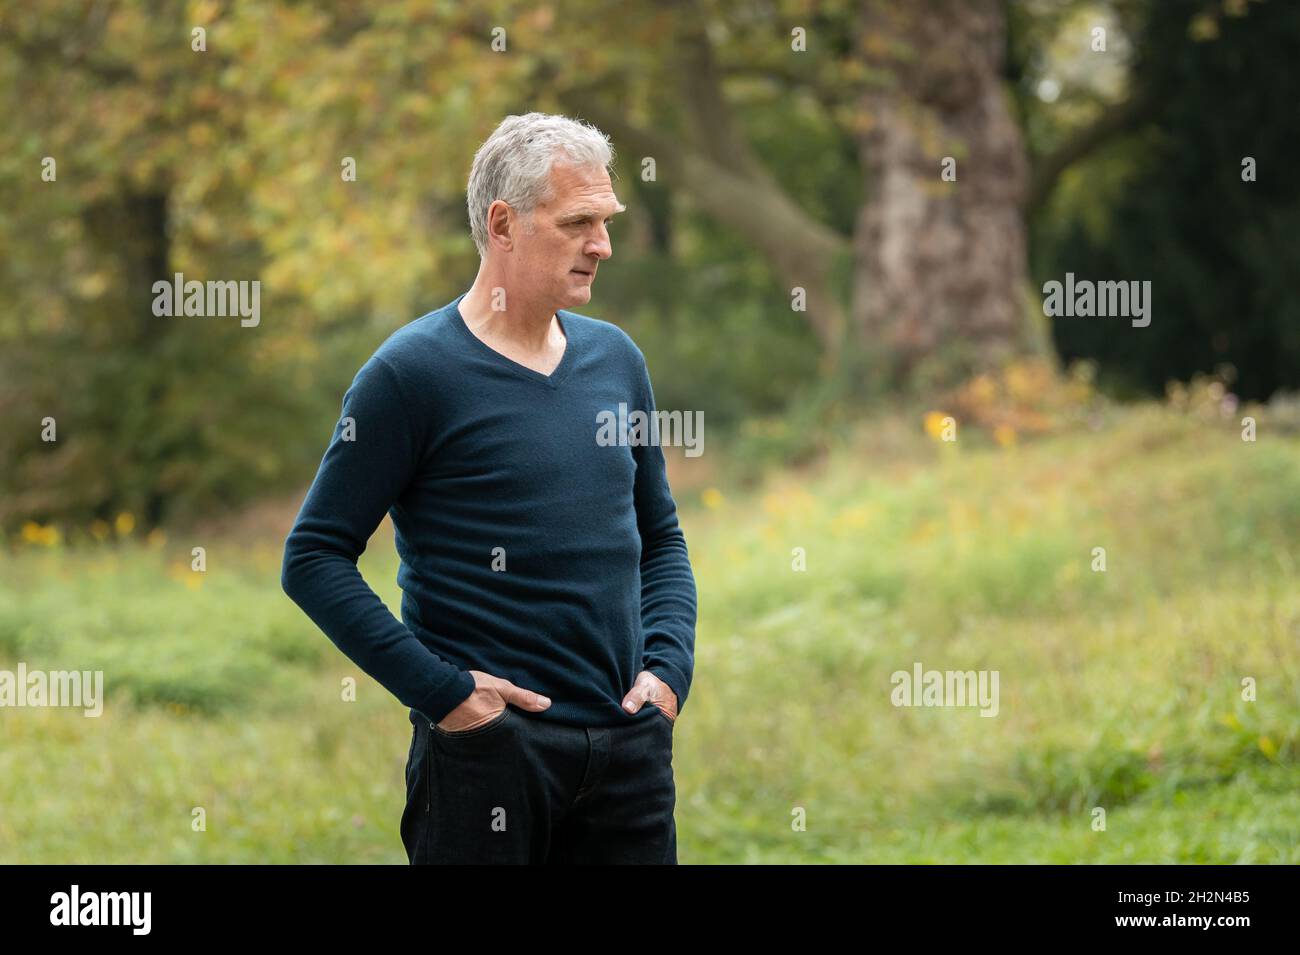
[(1168, 203), (226, 163)]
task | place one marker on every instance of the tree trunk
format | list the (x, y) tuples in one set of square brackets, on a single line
[(129, 234), (940, 267)]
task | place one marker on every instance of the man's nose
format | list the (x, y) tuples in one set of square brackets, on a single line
[(602, 248)]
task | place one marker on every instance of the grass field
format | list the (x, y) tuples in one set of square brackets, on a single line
[(1119, 689)]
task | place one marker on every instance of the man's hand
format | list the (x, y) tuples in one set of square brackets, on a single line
[(648, 688), (488, 701)]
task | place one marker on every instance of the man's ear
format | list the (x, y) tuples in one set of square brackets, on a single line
[(500, 229)]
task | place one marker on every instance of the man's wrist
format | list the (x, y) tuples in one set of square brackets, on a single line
[(449, 695)]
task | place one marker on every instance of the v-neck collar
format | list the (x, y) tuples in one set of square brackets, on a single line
[(557, 375)]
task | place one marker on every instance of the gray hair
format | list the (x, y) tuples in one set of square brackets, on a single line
[(514, 164)]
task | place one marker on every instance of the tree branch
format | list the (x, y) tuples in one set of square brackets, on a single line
[(800, 249), (1139, 109)]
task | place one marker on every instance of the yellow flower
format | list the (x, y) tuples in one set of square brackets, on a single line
[(935, 422), (156, 537), (99, 529), (711, 497), (1230, 720), (853, 518), (125, 523), (1005, 435), (34, 533)]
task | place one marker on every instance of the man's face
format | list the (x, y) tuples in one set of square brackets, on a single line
[(557, 259)]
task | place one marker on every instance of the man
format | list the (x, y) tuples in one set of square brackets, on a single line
[(547, 592)]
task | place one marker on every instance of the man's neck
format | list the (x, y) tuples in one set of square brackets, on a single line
[(527, 326)]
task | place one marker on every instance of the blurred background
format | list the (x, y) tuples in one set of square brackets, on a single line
[(841, 218)]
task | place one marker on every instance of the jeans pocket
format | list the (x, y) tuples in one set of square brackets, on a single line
[(487, 727)]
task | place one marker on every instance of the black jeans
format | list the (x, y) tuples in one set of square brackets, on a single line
[(524, 790)]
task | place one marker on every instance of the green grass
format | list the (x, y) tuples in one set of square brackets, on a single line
[(1118, 690)]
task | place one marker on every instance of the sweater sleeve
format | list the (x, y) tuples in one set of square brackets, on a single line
[(668, 598), (368, 463)]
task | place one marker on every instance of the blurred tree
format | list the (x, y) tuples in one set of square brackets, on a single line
[(796, 144), (124, 165), (1168, 201), (941, 258), (924, 280)]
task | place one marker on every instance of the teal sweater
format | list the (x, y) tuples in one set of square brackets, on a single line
[(529, 549)]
